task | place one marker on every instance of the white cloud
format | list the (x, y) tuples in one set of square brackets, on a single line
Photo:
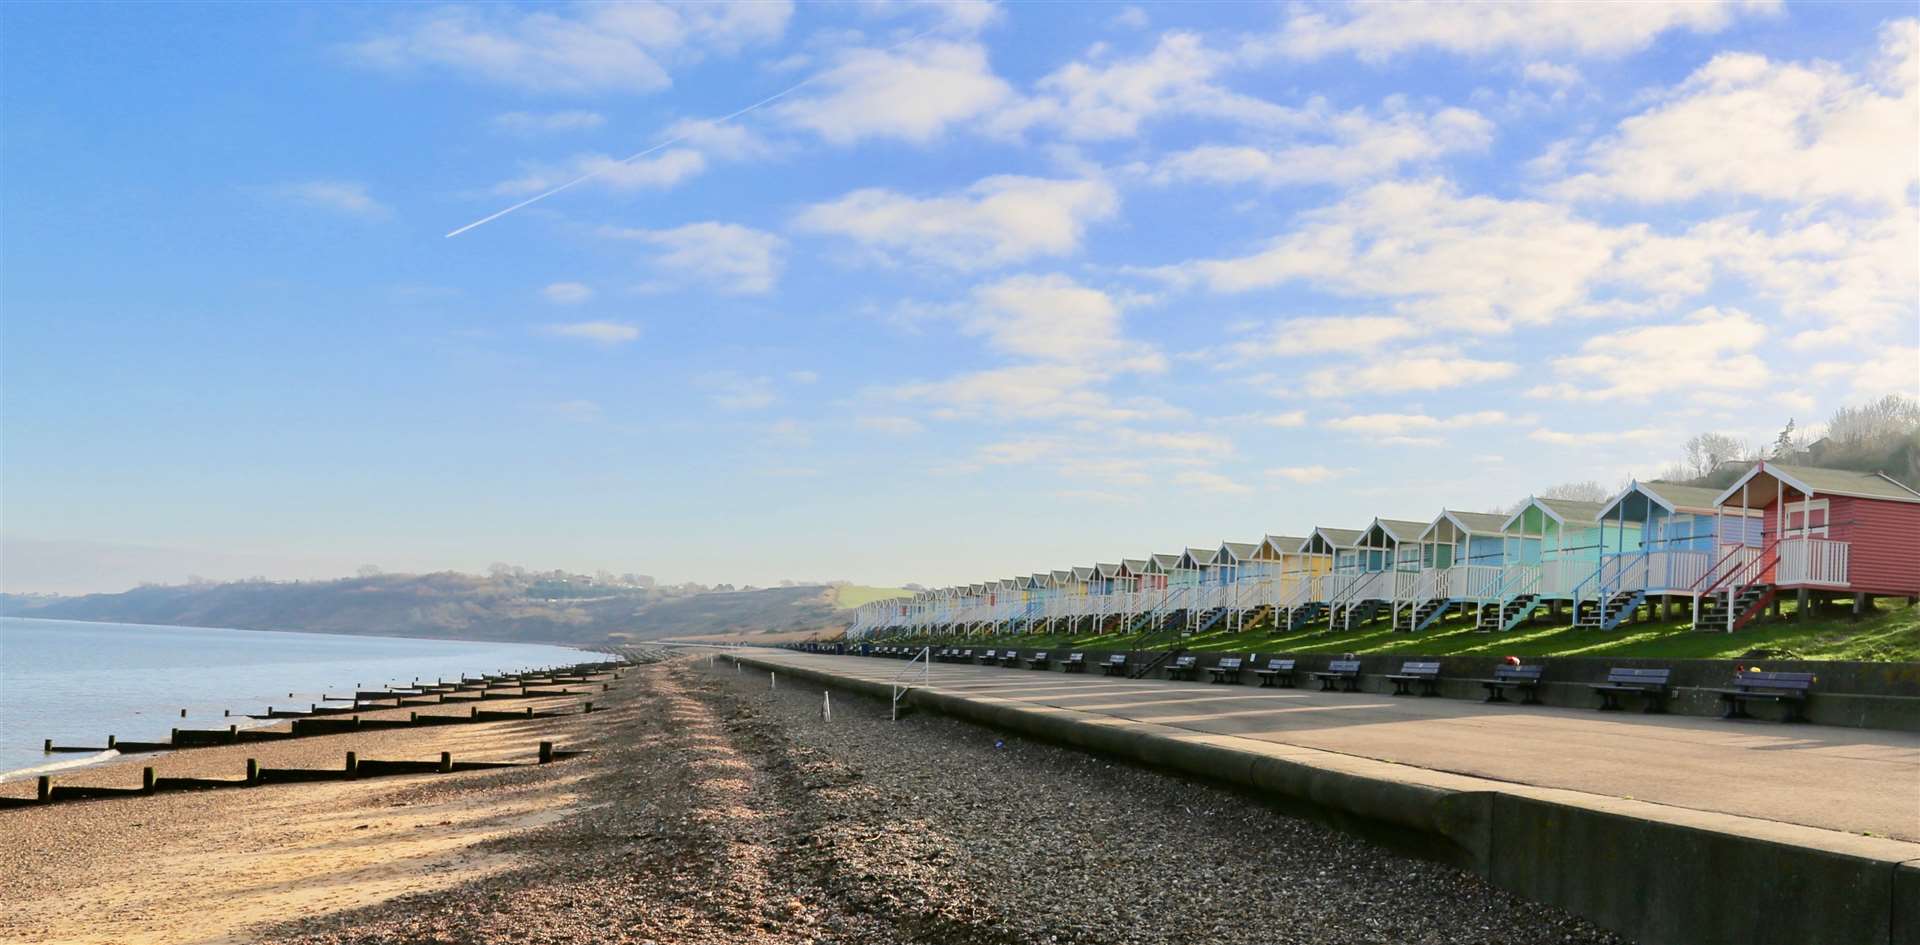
[(1472, 262), (622, 47), (913, 93), (1294, 337), (339, 196), (576, 411), (603, 333), (657, 172), (1111, 99), (1374, 32), (1203, 480), (1308, 474), (732, 258), (1409, 370), (1548, 73), (898, 426), (1359, 146), (567, 293), (1894, 369), (536, 123), (1053, 318), (1796, 132), (998, 220), (1033, 392), (1400, 424), (1711, 351), (1645, 436), (1132, 17), (803, 377), (731, 390)]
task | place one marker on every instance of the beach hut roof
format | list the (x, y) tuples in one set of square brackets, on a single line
[(1134, 565), (1282, 544), (1165, 562), (1200, 557), (1107, 570), (1813, 480), (1062, 577), (1468, 523), (1671, 496), (1083, 574), (1563, 511), (1338, 537), (1237, 551), (1398, 529)]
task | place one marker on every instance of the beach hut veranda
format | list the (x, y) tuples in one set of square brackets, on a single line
[(1823, 533)]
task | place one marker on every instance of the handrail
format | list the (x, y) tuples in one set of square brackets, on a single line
[(1715, 575), (925, 659)]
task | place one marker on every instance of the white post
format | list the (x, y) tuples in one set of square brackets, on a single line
[(773, 682), (826, 706)]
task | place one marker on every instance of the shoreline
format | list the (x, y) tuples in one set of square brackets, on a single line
[(583, 647)]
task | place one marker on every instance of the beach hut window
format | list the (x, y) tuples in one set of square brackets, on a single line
[(1809, 518)]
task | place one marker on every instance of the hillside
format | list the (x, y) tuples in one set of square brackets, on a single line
[(452, 605)]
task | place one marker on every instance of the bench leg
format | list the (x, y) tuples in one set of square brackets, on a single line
[(1353, 684), (1532, 697), (1607, 703), (1654, 705), (1430, 687), (1494, 695)]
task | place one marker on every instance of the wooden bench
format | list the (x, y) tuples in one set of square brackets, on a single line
[(1649, 684), (966, 656), (1038, 661), (990, 657), (1277, 673), (1116, 665), (1077, 663), (1524, 678), (1789, 689), (1227, 670), (1183, 667), (1344, 672), (1426, 674), (1010, 659)]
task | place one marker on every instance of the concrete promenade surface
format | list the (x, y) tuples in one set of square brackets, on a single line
[(1666, 829), (1859, 781)]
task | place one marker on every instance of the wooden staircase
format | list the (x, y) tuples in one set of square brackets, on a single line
[(1420, 614), (1609, 610), (1507, 614)]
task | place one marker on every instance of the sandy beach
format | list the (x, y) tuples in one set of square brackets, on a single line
[(713, 810)]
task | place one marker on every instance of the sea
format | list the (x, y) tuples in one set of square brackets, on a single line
[(78, 682)]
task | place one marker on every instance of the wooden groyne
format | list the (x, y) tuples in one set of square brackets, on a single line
[(319, 719), (255, 775)]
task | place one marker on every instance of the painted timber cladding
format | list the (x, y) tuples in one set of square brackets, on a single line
[(1884, 557)]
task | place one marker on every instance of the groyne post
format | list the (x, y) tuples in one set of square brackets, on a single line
[(146, 780), (253, 771), (112, 740), (43, 788), (46, 747), (546, 753), (446, 762), (353, 766)]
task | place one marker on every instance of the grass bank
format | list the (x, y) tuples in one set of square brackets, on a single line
[(1891, 634)]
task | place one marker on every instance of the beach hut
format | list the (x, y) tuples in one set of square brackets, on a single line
[(1328, 554), (1824, 533), (1240, 570), (1384, 566), (1682, 531), (1551, 546), (1461, 559), (1206, 599), (1160, 592), (1289, 574)]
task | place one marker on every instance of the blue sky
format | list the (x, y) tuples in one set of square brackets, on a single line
[(993, 289)]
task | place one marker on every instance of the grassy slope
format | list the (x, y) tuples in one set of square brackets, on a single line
[(1892, 634)]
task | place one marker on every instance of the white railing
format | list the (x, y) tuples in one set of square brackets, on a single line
[(1560, 576), (1813, 561), (1631, 575), (1403, 584), (1675, 570)]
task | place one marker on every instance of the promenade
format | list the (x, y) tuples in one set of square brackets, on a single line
[(1654, 825)]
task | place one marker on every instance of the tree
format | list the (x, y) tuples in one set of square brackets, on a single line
[(1586, 490), (1706, 452), (1882, 422), (1786, 444)]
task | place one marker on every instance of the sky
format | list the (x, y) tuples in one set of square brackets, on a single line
[(966, 291)]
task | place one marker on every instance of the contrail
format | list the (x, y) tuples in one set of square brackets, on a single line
[(670, 141)]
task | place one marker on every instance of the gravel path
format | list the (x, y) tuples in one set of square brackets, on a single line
[(719, 812)]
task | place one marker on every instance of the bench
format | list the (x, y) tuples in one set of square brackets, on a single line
[(1183, 667), (1227, 670), (1524, 678), (1788, 689), (1010, 659), (1077, 663), (1426, 674), (1038, 661), (966, 656), (989, 657), (1649, 684), (1345, 672), (1277, 673), (1116, 665)]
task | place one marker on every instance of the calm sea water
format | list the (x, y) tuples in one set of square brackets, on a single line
[(76, 683)]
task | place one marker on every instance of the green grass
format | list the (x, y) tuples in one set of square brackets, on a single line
[(849, 596), (1892, 634)]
